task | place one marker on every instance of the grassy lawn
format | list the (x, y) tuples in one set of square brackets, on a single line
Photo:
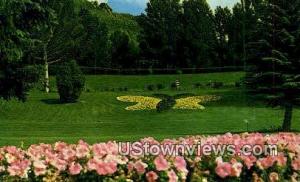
[(99, 116)]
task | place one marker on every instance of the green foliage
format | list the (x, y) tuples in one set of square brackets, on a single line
[(19, 21), (17, 81), (70, 82), (124, 51), (223, 25), (274, 57), (165, 104), (199, 34), (161, 30)]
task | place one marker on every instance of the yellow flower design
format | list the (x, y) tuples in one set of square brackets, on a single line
[(143, 103), (194, 102), (150, 103)]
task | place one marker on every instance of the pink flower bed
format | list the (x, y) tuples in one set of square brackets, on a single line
[(104, 161)]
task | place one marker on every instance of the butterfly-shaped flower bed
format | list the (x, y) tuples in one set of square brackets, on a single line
[(151, 103)]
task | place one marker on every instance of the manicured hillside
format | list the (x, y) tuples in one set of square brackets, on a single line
[(100, 116)]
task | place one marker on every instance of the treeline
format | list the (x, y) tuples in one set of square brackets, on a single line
[(171, 34), (190, 34), (38, 34)]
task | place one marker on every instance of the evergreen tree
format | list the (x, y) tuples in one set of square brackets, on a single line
[(124, 51), (274, 55), (223, 21), (199, 33), (161, 30), (19, 19)]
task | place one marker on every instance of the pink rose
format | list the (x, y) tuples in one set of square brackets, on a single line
[(172, 176), (161, 163), (267, 162), (69, 154), (281, 160), (39, 168), (106, 168), (236, 169), (130, 166), (82, 149), (140, 167), (75, 168), (59, 146), (100, 150), (92, 164), (151, 176), (180, 164), (223, 169), (19, 168), (249, 161), (296, 164), (59, 164)]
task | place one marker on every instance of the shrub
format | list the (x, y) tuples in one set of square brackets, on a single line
[(238, 84), (160, 86), (216, 85), (70, 82), (173, 85), (150, 87), (165, 104), (16, 81), (197, 85)]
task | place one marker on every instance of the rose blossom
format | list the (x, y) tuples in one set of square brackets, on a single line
[(140, 167), (161, 163), (296, 164), (180, 164), (19, 168), (106, 168), (75, 168), (223, 169), (39, 168), (151, 176), (172, 176), (82, 149)]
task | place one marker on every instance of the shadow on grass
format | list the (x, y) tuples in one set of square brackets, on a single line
[(236, 98), (51, 101)]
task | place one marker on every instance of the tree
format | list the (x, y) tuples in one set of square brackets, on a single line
[(93, 47), (199, 33), (274, 56), (59, 38), (19, 19), (161, 31), (223, 22), (124, 51), (70, 82)]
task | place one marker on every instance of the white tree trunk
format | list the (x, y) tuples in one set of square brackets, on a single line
[(47, 88)]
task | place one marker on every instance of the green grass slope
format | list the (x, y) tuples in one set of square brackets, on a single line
[(99, 116)]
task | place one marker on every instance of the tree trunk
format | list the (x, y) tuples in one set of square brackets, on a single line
[(47, 88), (287, 123)]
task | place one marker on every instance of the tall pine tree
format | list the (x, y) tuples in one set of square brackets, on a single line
[(161, 31), (274, 56), (199, 33)]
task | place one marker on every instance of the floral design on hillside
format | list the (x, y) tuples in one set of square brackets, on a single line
[(143, 103), (194, 102), (150, 103)]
